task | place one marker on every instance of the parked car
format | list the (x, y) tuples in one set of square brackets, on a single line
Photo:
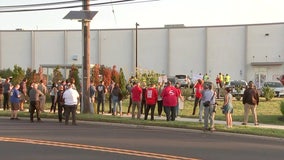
[(277, 86), (238, 87), (183, 80), (172, 79)]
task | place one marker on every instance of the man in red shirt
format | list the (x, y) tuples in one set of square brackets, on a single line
[(151, 100), (170, 97), (198, 88), (136, 99)]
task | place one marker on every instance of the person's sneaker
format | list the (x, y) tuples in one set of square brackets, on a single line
[(256, 124), (12, 118), (244, 123), (212, 129)]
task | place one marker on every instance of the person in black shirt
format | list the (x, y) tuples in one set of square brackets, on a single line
[(101, 89)]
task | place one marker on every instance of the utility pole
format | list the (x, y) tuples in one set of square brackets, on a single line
[(86, 60), (136, 51)]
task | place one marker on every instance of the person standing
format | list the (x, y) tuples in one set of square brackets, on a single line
[(198, 88), (53, 97), (160, 98), (227, 79), (101, 89), (42, 87), (129, 88), (143, 102), (115, 94), (209, 111), (151, 100), (6, 93), (34, 95), (15, 102), (71, 98), (136, 99), (1, 94), (250, 101), (23, 90), (170, 97), (110, 87), (60, 102), (228, 107), (92, 97)]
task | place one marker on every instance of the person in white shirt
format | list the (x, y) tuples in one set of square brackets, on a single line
[(71, 99)]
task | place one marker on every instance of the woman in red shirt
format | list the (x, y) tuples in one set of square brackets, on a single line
[(198, 88), (170, 97)]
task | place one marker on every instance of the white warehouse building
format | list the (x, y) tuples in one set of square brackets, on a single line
[(249, 52)]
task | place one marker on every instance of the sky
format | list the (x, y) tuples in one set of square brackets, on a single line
[(151, 14)]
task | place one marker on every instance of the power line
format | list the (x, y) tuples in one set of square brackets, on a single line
[(43, 4), (72, 6)]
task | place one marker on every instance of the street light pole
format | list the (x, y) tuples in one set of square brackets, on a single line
[(136, 52)]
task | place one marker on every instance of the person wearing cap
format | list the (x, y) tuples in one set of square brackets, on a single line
[(170, 96), (250, 101)]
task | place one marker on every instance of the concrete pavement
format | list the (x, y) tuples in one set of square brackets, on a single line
[(216, 122)]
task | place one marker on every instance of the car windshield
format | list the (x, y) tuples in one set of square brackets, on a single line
[(235, 83), (273, 84), (181, 76)]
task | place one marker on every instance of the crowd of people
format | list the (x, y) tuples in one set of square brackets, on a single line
[(143, 100), (63, 95)]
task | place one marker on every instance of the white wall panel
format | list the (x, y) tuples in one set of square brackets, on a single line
[(187, 51), (49, 48), (16, 50), (153, 50), (116, 48), (226, 50), (74, 44)]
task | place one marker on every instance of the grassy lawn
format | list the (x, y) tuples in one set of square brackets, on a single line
[(268, 113)]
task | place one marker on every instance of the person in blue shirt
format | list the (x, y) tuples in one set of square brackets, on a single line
[(15, 102)]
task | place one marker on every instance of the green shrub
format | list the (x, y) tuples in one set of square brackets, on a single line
[(186, 92), (282, 107), (268, 93)]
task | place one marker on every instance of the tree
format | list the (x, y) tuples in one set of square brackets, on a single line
[(107, 76), (57, 75), (18, 75), (74, 74), (114, 74), (122, 82), (95, 74), (6, 73)]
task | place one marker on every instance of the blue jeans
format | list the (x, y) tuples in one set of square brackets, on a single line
[(114, 102)]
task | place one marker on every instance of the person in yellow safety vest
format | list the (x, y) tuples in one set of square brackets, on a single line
[(221, 77), (206, 77), (227, 79)]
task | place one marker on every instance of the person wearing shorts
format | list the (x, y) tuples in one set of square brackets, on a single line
[(15, 102)]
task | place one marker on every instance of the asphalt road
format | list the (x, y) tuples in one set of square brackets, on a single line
[(89, 141)]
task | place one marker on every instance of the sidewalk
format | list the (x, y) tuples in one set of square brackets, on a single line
[(196, 120), (216, 122)]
